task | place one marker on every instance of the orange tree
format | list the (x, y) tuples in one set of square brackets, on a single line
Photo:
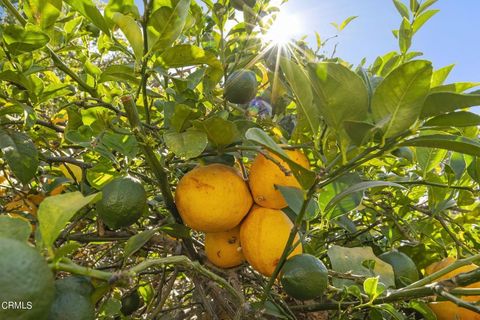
[(371, 171)]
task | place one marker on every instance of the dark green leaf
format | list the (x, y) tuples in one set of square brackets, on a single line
[(176, 230), (119, 72), (448, 142), (20, 153), (295, 198), (423, 309), (357, 188)]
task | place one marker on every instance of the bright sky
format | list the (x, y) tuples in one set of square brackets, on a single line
[(450, 37)]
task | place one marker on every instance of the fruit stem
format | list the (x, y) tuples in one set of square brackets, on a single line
[(155, 165)]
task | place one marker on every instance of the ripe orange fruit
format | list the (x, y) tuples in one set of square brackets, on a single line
[(223, 248), (212, 198), (447, 310), (265, 174), (263, 235)]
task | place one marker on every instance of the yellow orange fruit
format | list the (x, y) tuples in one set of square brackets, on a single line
[(223, 248), (71, 171), (263, 235), (447, 310), (213, 198), (265, 174)]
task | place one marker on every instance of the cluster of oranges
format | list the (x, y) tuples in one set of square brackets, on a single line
[(241, 220)]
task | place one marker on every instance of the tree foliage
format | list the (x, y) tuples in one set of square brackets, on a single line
[(112, 90)]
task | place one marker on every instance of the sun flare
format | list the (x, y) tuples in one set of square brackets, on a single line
[(283, 29)]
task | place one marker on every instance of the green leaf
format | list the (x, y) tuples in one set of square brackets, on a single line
[(136, 242), (439, 76), (298, 79), (422, 19), (168, 24), (20, 153), (185, 55), (90, 11), (126, 7), (350, 260), (220, 132), (405, 35), (119, 72), (425, 5), (42, 12), (455, 119), (28, 39), (182, 117), (457, 164), (402, 8), (188, 144), (391, 311), (423, 309), (176, 230), (55, 212), (132, 32), (359, 187), (372, 288), (295, 198), (399, 98), (346, 204), (304, 176), (359, 132), (457, 87), (14, 228), (429, 158), (442, 102), (339, 93), (448, 142), (125, 144), (17, 78), (344, 23)]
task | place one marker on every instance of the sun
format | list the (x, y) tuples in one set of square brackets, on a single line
[(285, 27)]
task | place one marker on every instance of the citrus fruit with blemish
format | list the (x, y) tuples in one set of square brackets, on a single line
[(212, 198), (263, 235), (223, 248), (266, 174)]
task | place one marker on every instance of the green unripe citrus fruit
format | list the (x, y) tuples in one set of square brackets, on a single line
[(404, 268), (304, 277), (241, 86), (131, 303), (238, 4), (78, 284), (25, 280), (72, 300), (123, 202)]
